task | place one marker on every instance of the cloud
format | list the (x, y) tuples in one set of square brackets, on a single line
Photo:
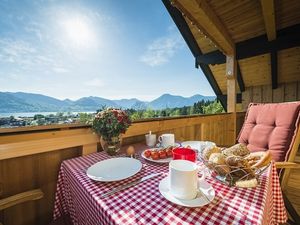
[(26, 56), (96, 82), (161, 50), (60, 70)]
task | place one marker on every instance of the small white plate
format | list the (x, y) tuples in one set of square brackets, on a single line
[(199, 201), (198, 145), (114, 169), (166, 160)]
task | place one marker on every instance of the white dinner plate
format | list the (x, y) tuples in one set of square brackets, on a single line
[(199, 201), (114, 169), (197, 145), (166, 160)]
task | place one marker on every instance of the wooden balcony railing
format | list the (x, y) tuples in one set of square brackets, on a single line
[(30, 157)]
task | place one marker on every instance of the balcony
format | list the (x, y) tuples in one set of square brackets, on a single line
[(31, 157)]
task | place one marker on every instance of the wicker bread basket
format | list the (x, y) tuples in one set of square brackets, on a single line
[(231, 174)]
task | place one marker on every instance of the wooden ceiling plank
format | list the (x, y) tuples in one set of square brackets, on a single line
[(268, 11), (209, 24)]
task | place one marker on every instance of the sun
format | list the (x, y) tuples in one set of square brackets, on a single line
[(79, 32)]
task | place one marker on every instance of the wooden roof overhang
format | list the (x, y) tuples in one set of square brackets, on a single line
[(263, 38)]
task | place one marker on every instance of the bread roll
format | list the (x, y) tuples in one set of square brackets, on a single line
[(247, 183), (217, 158), (208, 151), (237, 150), (234, 161)]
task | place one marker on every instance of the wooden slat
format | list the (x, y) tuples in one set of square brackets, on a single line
[(278, 94), (267, 94), (290, 92), (19, 137), (287, 165), (268, 11), (289, 65), (243, 19), (257, 94), (207, 22), (287, 13), (246, 98), (21, 198), (18, 149)]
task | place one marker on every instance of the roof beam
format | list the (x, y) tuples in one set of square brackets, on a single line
[(274, 71), (269, 18), (287, 38), (239, 78), (193, 46), (209, 23), (224, 98)]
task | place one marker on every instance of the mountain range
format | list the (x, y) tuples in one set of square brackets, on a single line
[(14, 102)]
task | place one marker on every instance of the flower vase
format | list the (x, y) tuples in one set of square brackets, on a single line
[(111, 145)]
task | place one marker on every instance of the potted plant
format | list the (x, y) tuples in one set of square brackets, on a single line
[(110, 123)]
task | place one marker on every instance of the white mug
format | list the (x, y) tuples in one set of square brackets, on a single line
[(166, 140), (150, 140), (183, 179)]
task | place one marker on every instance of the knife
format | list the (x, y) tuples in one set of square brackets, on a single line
[(122, 187)]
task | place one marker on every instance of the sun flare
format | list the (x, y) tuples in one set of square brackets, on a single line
[(79, 32)]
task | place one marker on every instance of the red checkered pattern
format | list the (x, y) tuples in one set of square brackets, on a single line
[(78, 196)]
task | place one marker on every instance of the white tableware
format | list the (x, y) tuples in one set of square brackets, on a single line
[(200, 200), (198, 145), (183, 179), (166, 160), (166, 140), (114, 169), (150, 139)]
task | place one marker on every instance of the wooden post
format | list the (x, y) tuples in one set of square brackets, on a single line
[(231, 70), (88, 149), (231, 74)]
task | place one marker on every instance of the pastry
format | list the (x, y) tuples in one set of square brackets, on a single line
[(259, 159), (235, 161), (217, 158), (246, 183), (208, 151), (237, 150)]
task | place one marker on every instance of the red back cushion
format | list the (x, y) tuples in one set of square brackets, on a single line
[(271, 127)]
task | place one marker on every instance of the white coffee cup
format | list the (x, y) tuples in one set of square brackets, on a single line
[(183, 179), (150, 139), (166, 140)]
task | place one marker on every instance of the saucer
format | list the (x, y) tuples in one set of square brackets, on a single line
[(199, 201)]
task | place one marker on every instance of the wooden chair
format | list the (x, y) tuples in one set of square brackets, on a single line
[(275, 127), (20, 198)]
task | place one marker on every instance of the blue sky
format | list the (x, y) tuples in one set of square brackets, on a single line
[(108, 48)]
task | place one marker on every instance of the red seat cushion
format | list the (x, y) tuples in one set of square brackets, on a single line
[(270, 127)]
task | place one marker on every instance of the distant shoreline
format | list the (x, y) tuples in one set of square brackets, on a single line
[(31, 114)]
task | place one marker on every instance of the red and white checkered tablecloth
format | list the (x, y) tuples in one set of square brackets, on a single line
[(78, 197)]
